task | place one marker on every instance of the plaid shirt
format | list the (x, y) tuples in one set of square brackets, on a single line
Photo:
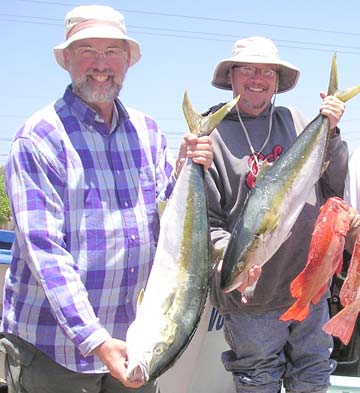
[(84, 202)]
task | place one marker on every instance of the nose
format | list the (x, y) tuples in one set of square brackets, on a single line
[(100, 62)]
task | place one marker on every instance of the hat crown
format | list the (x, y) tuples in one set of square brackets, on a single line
[(95, 13), (255, 47)]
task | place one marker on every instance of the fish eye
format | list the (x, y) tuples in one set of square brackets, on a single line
[(159, 349)]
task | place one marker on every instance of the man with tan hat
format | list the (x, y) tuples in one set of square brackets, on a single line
[(265, 351), (84, 177)]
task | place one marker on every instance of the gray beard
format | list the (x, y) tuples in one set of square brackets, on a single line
[(258, 106), (91, 95)]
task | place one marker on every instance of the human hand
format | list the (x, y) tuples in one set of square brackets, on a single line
[(333, 108), (354, 230), (112, 353), (197, 148), (250, 279)]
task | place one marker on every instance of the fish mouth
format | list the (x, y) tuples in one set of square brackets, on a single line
[(138, 373)]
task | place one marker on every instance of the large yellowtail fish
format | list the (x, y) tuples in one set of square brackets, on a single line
[(170, 308), (278, 197)]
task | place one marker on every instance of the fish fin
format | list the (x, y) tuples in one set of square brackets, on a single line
[(297, 285), (320, 293), (161, 205), (204, 125), (349, 93), (140, 297), (217, 255), (324, 167), (333, 82), (341, 325), (344, 95), (297, 312), (168, 302)]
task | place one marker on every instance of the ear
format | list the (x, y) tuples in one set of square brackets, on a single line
[(66, 56), (229, 77)]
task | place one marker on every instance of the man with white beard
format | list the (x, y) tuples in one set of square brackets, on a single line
[(84, 177)]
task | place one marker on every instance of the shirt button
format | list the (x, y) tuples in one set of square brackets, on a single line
[(133, 237), (132, 270), (126, 204)]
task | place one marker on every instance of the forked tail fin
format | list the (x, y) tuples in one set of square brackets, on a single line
[(343, 95), (333, 82), (297, 312), (203, 125), (342, 325)]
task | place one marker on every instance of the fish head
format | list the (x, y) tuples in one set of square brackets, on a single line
[(231, 273), (149, 351), (137, 372)]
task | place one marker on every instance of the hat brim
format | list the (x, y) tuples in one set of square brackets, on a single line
[(108, 32), (288, 74)]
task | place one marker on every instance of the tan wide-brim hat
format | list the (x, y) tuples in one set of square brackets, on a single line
[(256, 50), (95, 21)]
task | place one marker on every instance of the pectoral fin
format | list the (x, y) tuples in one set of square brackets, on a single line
[(168, 302)]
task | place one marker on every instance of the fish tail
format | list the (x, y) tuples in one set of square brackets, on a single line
[(333, 82), (203, 125), (342, 325), (343, 95), (297, 311)]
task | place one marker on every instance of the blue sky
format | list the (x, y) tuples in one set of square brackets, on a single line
[(181, 41)]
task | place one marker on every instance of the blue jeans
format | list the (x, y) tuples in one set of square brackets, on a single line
[(265, 351)]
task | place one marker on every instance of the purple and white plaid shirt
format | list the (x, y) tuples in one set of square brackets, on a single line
[(84, 202)]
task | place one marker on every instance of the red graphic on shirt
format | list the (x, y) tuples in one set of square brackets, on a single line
[(254, 165)]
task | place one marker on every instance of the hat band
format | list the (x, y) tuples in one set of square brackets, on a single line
[(90, 23)]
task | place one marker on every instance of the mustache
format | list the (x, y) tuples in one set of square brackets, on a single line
[(106, 72)]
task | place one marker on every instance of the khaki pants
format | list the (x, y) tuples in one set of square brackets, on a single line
[(29, 370)]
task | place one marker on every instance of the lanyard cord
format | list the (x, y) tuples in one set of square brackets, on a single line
[(253, 152)]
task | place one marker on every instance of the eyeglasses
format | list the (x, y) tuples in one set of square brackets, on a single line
[(250, 71), (88, 52)]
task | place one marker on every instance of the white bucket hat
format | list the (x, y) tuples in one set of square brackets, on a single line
[(256, 50), (95, 21)]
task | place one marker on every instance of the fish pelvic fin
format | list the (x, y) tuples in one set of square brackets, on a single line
[(297, 311), (333, 89), (204, 125)]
